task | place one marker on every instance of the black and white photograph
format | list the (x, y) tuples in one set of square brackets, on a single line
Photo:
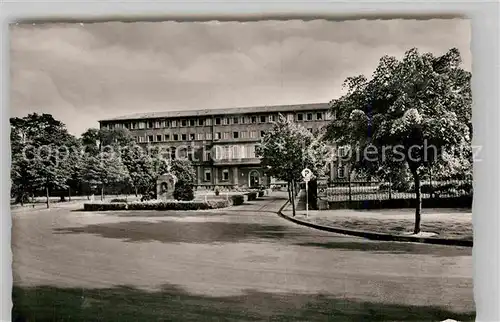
[(265, 170)]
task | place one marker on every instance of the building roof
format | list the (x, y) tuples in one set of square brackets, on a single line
[(237, 110)]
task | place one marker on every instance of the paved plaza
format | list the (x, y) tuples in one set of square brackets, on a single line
[(243, 263)]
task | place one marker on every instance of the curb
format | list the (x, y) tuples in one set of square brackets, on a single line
[(377, 236)]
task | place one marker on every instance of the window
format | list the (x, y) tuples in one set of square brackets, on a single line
[(262, 119), (183, 123), (253, 134), (158, 138), (272, 118), (290, 117), (328, 116), (165, 123), (225, 121), (141, 139), (150, 124), (127, 125), (142, 125), (136, 138), (207, 156), (192, 123), (191, 137), (243, 120), (150, 138), (218, 135), (176, 137), (225, 175), (200, 136), (254, 119), (167, 137), (157, 124), (341, 171), (309, 116), (184, 136), (208, 175), (235, 120), (173, 152), (319, 116), (208, 136), (244, 135), (208, 122), (235, 135), (300, 117), (226, 135), (200, 122), (262, 134), (174, 123), (217, 121)]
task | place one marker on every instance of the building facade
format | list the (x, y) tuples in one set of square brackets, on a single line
[(221, 142)]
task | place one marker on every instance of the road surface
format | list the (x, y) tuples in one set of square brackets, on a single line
[(243, 263)]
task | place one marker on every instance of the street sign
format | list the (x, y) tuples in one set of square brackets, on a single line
[(306, 173)]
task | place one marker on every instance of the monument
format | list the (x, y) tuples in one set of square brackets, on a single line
[(165, 186)]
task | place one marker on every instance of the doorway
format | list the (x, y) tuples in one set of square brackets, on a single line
[(254, 179)]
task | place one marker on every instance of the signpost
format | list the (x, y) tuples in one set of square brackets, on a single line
[(307, 174)]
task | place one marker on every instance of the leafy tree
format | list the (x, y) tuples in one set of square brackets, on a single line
[(288, 148), (102, 170), (42, 154), (186, 175), (411, 112)]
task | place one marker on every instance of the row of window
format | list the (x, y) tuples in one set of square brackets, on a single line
[(200, 136), (316, 116)]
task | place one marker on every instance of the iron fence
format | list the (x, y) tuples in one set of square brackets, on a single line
[(349, 190)]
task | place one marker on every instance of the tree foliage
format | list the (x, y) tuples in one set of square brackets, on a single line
[(413, 112)]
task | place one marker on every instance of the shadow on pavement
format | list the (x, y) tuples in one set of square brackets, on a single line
[(393, 248), (173, 303), (178, 232)]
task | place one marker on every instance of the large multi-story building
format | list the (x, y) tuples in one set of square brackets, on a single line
[(220, 142)]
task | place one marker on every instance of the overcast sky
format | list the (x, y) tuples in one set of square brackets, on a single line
[(81, 73)]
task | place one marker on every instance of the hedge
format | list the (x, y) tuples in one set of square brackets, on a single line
[(119, 200), (161, 205), (104, 206), (252, 196), (261, 193), (237, 200)]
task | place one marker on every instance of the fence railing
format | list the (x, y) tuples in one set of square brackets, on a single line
[(346, 190)]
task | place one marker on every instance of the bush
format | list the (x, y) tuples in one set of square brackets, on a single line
[(104, 206), (252, 196), (261, 193), (237, 200), (217, 192), (119, 200), (384, 186), (183, 191)]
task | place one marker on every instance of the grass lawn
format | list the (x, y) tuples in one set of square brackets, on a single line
[(446, 224)]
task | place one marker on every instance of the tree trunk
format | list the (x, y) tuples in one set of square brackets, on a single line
[(69, 194), (102, 192), (135, 191), (293, 198), (289, 192), (47, 195), (418, 206)]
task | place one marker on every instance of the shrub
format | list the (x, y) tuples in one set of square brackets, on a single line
[(261, 193), (217, 192), (104, 206), (252, 196), (237, 200), (384, 186), (183, 191), (119, 200)]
